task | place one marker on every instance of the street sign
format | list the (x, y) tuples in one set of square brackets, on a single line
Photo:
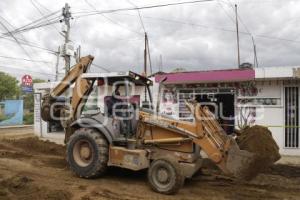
[(27, 84), (26, 80), (27, 89)]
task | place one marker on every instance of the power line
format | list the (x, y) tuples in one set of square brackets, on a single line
[(103, 68), (248, 31), (24, 41), (139, 13), (147, 49), (21, 43), (140, 8), (229, 16), (35, 24), (111, 20), (32, 45), (214, 28), (25, 69), (17, 41), (41, 13), (55, 20), (37, 20), (13, 58)]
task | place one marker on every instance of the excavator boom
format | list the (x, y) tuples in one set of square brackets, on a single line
[(50, 106)]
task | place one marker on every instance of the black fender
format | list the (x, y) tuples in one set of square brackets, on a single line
[(93, 123)]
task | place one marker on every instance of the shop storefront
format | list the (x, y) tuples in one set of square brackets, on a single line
[(239, 98)]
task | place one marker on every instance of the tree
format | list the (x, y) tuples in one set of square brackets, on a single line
[(28, 98), (8, 86)]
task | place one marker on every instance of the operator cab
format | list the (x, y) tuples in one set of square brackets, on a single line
[(121, 96)]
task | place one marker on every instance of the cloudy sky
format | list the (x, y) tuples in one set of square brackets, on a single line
[(196, 36)]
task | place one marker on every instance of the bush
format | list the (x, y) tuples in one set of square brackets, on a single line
[(28, 118)]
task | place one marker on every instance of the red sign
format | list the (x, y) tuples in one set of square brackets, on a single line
[(26, 80)]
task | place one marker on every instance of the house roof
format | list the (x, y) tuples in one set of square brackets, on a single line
[(208, 76), (231, 75)]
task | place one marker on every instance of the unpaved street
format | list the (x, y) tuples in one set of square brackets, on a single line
[(33, 169)]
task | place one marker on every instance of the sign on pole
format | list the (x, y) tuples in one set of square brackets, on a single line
[(27, 84)]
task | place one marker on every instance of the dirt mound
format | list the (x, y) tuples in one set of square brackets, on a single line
[(284, 170), (13, 154), (34, 145), (23, 187), (258, 140), (60, 163)]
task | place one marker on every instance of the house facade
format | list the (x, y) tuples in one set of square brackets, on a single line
[(239, 98)]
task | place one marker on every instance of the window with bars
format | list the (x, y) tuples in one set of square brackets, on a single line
[(291, 117)]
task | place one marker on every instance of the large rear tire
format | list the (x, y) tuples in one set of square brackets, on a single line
[(87, 153), (165, 176)]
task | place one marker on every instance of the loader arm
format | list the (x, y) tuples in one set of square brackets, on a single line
[(51, 110), (207, 133)]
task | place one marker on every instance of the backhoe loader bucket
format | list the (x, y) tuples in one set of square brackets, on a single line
[(254, 151), (240, 163)]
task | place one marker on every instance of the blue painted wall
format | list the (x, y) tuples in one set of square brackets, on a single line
[(13, 109)]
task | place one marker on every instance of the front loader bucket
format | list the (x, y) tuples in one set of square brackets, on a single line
[(240, 163), (254, 151)]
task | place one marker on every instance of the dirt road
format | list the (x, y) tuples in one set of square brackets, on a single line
[(33, 169)]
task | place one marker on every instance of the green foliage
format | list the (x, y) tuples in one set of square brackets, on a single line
[(28, 118), (8, 87), (28, 98)]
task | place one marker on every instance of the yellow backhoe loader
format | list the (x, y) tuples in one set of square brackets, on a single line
[(132, 136)]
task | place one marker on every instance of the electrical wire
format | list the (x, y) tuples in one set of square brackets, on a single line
[(37, 20), (23, 41), (35, 24), (25, 69), (213, 28), (32, 45), (139, 8), (12, 35), (103, 68), (139, 13), (146, 38), (248, 31), (55, 20), (41, 13), (13, 58), (110, 19)]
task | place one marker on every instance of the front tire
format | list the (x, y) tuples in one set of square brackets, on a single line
[(165, 176), (87, 153)]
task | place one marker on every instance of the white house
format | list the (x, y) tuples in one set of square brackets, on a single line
[(264, 96)]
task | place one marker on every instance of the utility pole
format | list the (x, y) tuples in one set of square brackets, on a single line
[(145, 55), (57, 63), (67, 15), (237, 36), (160, 63), (145, 63), (255, 55)]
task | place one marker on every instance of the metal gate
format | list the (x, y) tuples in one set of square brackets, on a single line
[(291, 117)]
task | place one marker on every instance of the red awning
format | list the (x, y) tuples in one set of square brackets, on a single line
[(208, 76)]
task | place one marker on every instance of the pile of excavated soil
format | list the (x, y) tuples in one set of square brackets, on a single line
[(258, 140), (34, 145), (23, 187)]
